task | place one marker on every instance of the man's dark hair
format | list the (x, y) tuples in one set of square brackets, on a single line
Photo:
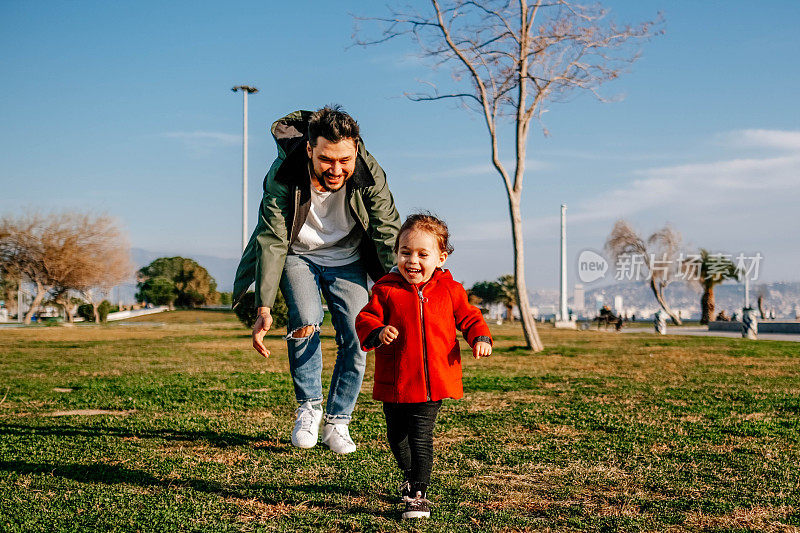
[(332, 123)]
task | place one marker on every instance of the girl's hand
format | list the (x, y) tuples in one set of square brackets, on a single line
[(388, 334), (481, 349)]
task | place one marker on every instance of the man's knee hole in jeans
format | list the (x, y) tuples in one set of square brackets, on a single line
[(303, 332)]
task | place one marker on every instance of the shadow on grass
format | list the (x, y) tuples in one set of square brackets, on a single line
[(519, 348), (309, 495), (221, 440)]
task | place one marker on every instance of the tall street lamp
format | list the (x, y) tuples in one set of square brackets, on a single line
[(564, 320), (246, 89)]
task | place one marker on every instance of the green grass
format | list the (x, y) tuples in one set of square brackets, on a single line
[(600, 432)]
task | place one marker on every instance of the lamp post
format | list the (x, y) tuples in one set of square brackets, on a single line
[(563, 292), (246, 89), (746, 291), (564, 320)]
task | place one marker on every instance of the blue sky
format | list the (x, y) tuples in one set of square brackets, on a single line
[(126, 107)]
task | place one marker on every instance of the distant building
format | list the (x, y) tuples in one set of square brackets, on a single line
[(618, 305), (578, 299)]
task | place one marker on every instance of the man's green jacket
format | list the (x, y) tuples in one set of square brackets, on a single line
[(285, 205)]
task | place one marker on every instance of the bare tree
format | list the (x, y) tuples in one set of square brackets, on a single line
[(64, 254), (654, 259), (510, 59), (9, 286), (95, 255), (21, 249)]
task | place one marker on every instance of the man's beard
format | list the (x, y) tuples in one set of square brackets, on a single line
[(321, 180)]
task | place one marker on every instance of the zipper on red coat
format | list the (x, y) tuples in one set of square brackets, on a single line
[(422, 299)]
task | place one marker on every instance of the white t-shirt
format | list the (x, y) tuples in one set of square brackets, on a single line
[(327, 237)]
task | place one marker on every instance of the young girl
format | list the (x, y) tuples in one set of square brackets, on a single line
[(411, 321)]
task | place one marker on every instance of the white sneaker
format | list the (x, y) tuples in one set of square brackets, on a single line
[(337, 438), (306, 427)]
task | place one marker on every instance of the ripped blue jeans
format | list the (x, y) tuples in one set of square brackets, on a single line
[(345, 291)]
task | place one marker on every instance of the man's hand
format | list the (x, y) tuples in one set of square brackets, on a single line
[(481, 349), (260, 328), (388, 334)]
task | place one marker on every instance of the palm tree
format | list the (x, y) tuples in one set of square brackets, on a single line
[(488, 292), (502, 291), (508, 294), (710, 271)]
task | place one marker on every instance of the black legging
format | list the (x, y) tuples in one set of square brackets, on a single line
[(409, 427)]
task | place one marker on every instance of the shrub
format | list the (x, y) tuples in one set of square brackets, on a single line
[(246, 311), (86, 312), (225, 298), (176, 281), (103, 309)]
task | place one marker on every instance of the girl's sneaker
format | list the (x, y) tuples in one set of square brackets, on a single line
[(405, 490), (416, 507)]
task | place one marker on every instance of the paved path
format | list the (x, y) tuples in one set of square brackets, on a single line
[(703, 332)]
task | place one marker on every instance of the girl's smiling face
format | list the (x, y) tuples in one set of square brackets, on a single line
[(419, 256)]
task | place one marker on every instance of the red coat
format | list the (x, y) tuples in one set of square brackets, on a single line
[(424, 361)]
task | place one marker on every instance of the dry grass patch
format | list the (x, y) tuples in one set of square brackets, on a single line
[(255, 510), (80, 334), (492, 399), (722, 449), (660, 448), (89, 412), (218, 346), (454, 436), (677, 403), (627, 510), (765, 519), (257, 415), (225, 456)]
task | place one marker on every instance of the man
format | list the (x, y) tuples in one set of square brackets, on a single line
[(327, 220)]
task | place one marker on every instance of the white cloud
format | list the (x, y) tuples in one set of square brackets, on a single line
[(690, 194), (699, 187), (738, 204), (758, 138)]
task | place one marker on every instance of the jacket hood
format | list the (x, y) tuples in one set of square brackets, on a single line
[(291, 131), (291, 134)]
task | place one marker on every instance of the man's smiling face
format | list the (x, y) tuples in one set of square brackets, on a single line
[(332, 163)]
